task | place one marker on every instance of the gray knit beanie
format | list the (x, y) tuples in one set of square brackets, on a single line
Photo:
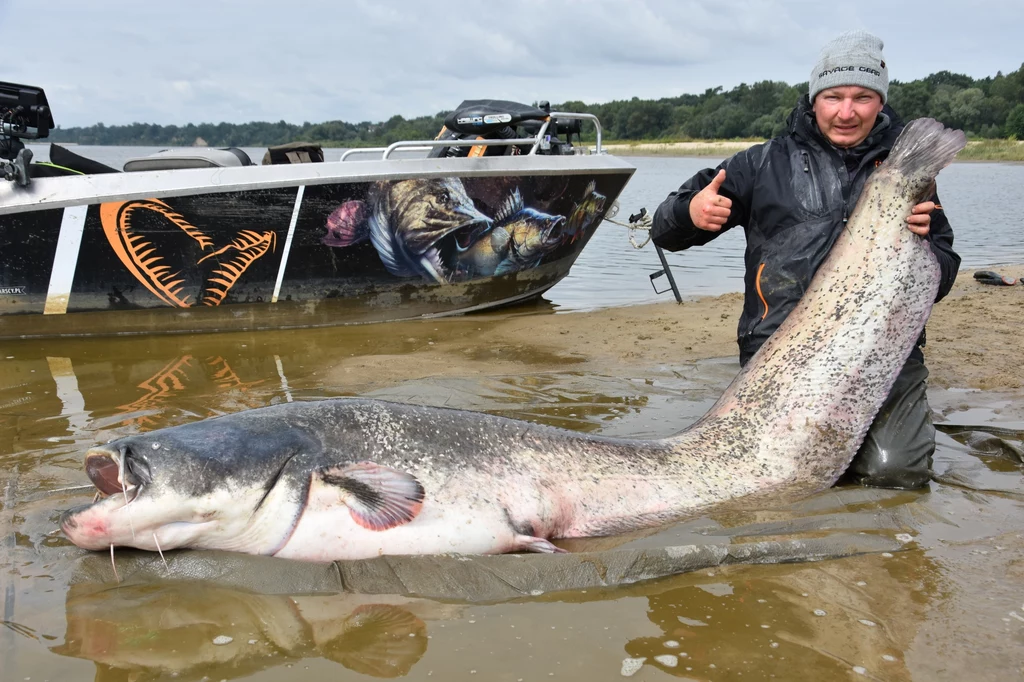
[(854, 58)]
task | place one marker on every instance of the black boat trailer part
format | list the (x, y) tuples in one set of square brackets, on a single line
[(665, 271)]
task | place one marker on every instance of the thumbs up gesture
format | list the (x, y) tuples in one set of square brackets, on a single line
[(709, 210)]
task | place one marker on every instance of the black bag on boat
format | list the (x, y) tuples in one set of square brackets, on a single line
[(63, 161), (294, 152)]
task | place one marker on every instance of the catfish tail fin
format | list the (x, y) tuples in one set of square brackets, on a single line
[(924, 148)]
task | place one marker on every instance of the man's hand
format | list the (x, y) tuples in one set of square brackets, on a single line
[(709, 210), (919, 221)]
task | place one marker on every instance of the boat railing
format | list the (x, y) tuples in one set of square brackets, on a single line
[(536, 142), (378, 150)]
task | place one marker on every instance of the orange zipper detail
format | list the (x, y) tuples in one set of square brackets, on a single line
[(761, 295)]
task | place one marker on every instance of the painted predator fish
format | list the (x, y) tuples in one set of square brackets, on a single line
[(418, 226), (518, 239), (585, 213)]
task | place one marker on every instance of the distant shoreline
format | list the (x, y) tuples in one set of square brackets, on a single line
[(978, 151), (693, 148), (998, 151)]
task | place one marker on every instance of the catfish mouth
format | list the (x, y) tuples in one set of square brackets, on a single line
[(116, 472)]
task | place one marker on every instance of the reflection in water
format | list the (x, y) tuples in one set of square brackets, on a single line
[(175, 378), (165, 383), (807, 623), (284, 380), (193, 631), (112, 387), (72, 401)]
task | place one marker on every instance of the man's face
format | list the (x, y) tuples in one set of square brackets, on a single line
[(847, 114)]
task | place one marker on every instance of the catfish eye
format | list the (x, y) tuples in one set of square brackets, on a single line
[(445, 198)]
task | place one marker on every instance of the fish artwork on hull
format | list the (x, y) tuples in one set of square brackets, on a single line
[(358, 478), (432, 229)]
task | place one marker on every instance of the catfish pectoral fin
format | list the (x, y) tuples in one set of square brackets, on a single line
[(378, 497)]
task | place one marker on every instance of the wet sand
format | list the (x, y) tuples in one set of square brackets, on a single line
[(974, 340)]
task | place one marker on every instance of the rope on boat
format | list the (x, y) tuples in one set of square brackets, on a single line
[(638, 222)]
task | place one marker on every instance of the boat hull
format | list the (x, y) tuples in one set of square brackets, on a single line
[(304, 245)]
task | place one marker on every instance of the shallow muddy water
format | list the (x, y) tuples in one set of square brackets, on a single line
[(948, 605)]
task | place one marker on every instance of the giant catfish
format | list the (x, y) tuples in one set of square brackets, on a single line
[(355, 478)]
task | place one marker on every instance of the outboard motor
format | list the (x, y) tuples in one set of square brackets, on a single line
[(494, 119), (24, 114)]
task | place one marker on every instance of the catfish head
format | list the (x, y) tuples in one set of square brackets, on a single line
[(236, 483), (213, 484)]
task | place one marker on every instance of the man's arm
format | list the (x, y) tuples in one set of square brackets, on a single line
[(673, 227)]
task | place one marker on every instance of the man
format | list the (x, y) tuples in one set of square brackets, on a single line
[(793, 195)]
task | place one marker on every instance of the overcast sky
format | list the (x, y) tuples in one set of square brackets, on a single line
[(123, 61)]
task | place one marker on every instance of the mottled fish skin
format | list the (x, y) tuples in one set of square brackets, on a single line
[(815, 386), (787, 426)]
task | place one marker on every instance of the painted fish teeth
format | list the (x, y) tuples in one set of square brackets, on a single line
[(144, 259)]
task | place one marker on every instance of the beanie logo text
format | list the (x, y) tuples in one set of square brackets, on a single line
[(838, 69)]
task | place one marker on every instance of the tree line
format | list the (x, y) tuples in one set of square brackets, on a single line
[(987, 108)]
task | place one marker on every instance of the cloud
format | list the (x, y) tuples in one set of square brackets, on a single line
[(123, 61)]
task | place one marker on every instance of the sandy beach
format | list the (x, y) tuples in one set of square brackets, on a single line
[(721, 148), (974, 340)]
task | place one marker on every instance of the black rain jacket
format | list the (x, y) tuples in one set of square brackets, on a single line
[(793, 195)]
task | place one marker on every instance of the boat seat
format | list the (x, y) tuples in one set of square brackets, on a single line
[(294, 152), (190, 157)]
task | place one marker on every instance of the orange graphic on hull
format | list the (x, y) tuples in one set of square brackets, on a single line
[(153, 264)]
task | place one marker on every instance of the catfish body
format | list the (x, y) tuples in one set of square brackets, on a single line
[(354, 478)]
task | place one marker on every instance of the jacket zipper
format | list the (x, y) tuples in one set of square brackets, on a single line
[(814, 179)]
